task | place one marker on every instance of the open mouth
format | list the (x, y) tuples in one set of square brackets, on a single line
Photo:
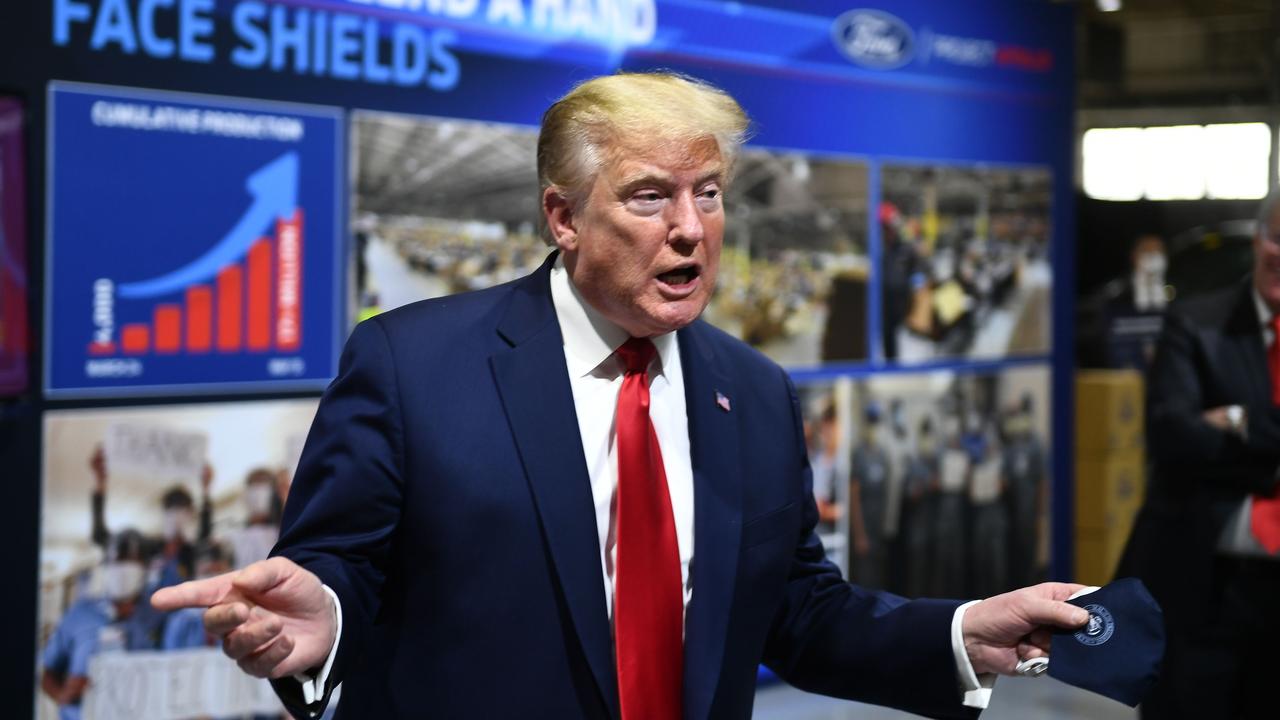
[(680, 276)]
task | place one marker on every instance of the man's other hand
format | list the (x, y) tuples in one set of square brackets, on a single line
[(1002, 630), (273, 617)]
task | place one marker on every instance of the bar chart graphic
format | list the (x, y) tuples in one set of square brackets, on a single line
[(212, 264), (261, 314), (251, 284)]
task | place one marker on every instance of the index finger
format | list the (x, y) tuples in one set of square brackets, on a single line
[(195, 593), (264, 575)]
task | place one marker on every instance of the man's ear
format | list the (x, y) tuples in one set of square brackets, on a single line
[(558, 211)]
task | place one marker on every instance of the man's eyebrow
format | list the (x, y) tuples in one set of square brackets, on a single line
[(716, 174), (664, 180), (638, 180)]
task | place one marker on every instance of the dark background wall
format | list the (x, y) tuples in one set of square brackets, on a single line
[(1106, 229)]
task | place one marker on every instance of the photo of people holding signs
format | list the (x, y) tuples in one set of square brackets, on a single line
[(136, 499)]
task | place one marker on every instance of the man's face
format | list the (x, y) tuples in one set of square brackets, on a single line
[(123, 580), (830, 434), (1147, 252), (258, 496), (1266, 261), (177, 522), (643, 247)]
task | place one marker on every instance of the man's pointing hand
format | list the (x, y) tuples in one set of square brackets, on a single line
[(273, 617)]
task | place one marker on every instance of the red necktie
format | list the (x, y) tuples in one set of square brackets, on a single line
[(648, 600), (1264, 518)]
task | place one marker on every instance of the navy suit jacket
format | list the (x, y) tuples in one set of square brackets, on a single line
[(443, 495), (1210, 354)]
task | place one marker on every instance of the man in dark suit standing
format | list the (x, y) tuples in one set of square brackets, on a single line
[(500, 504), (1214, 440)]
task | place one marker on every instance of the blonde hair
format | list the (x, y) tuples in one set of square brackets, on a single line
[(601, 115)]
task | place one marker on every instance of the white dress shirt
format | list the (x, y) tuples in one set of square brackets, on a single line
[(1264, 317), (595, 377)]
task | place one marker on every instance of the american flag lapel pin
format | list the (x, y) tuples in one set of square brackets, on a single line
[(722, 401)]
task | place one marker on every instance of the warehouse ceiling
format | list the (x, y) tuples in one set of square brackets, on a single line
[(445, 168), (1175, 53), (465, 170)]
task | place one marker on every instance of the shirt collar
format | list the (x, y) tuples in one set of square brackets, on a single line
[(1264, 312), (589, 337)]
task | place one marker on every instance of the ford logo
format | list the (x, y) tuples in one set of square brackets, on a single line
[(874, 39)]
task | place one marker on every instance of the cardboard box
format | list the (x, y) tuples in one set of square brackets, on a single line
[(1097, 554), (1109, 492), (1109, 410), (1109, 489)]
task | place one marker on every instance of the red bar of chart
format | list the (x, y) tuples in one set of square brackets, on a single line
[(230, 308), (199, 319), (168, 327), (254, 305), (259, 302), (135, 338)]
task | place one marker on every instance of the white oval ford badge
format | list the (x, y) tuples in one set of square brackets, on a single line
[(874, 39)]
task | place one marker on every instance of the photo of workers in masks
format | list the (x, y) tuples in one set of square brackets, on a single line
[(965, 262), (136, 499), (446, 206), (947, 480)]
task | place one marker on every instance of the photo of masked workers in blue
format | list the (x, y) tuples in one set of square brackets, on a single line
[(948, 491), (919, 506), (1026, 481), (868, 499)]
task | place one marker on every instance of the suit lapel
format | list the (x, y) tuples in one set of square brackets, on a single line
[(717, 524), (1244, 329), (534, 384)]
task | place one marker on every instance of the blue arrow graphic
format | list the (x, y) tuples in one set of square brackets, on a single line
[(275, 194)]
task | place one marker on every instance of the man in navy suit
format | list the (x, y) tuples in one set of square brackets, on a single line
[(567, 497), (1213, 434)]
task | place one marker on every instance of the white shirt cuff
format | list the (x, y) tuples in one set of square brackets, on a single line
[(313, 687), (977, 688)]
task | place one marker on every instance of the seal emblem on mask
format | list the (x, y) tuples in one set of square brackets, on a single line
[(1099, 629)]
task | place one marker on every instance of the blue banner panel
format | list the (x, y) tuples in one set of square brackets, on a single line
[(898, 78), (193, 243), (13, 243)]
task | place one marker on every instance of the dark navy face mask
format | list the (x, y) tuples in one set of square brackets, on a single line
[(1118, 652)]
